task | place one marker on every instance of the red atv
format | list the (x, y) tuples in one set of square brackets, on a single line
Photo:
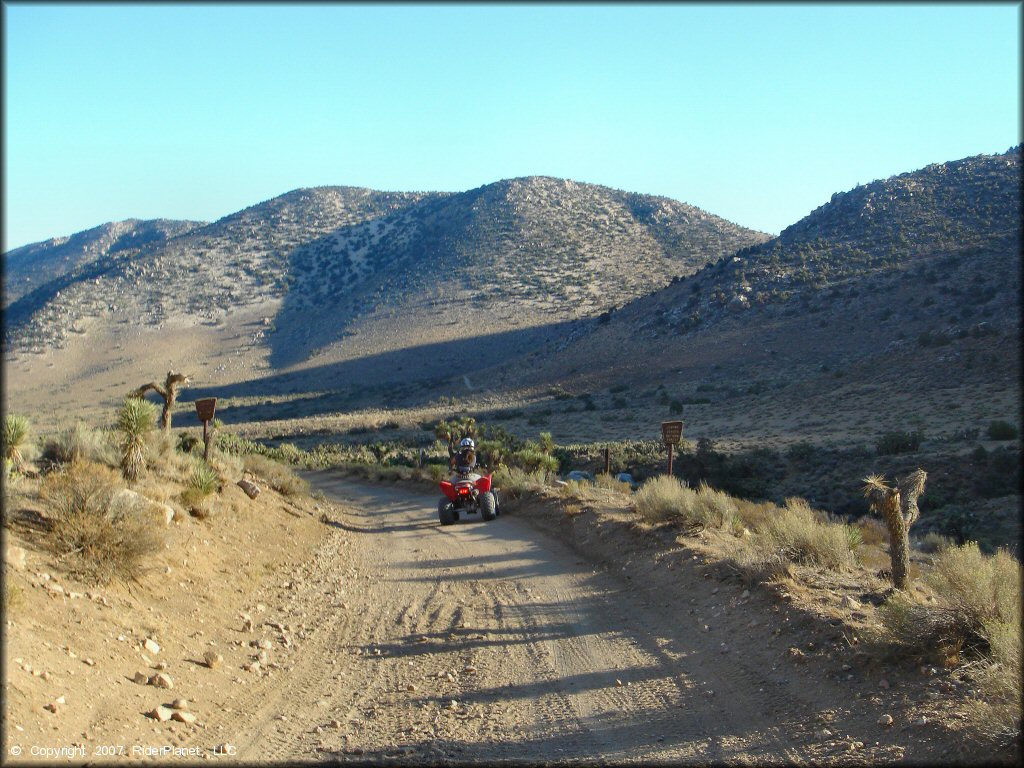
[(467, 493)]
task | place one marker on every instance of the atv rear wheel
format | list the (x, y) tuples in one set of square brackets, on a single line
[(488, 505), (446, 512)]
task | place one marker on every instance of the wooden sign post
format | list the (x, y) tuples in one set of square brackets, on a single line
[(671, 434), (204, 410)]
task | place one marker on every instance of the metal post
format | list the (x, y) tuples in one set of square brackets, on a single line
[(670, 459), (206, 441), (607, 460)]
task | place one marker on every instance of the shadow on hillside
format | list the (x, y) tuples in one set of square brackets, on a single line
[(378, 377)]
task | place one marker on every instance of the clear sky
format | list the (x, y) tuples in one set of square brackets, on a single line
[(754, 112)]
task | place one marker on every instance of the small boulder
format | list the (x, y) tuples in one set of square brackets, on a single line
[(166, 512), (885, 720), (212, 659), (251, 489), (141, 678), (161, 680), (184, 717), (161, 714), (151, 645), (179, 704)]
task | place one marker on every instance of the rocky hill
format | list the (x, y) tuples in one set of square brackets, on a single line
[(536, 248), (30, 266), (530, 251), (951, 229), (202, 272), (932, 255)]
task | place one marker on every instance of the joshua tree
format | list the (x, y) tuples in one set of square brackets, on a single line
[(135, 419), (168, 391), (899, 508)]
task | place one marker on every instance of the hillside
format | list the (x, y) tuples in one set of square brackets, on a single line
[(924, 259), (31, 266), (202, 273), (513, 254), (338, 275)]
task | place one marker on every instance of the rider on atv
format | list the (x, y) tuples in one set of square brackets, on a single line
[(463, 461)]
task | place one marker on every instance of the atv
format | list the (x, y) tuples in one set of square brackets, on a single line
[(469, 493)]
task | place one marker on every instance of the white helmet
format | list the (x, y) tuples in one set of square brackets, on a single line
[(467, 442)]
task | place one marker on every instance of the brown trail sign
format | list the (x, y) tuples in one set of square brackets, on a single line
[(671, 434), (205, 409)]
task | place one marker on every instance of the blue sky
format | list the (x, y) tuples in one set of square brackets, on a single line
[(754, 112)]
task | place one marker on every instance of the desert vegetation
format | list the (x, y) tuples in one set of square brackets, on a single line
[(100, 498)]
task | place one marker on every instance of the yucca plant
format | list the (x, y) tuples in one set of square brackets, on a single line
[(135, 420), (15, 435)]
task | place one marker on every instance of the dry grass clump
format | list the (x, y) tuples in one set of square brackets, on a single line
[(933, 542), (610, 483), (516, 483), (165, 458), (796, 533), (666, 498), (662, 498), (81, 442), (978, 612), (102, 541), (275, 474), (872, 531), (14, 598)]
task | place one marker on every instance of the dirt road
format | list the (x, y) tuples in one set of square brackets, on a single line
[(495, 642)]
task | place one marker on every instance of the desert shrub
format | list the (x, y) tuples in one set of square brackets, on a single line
[(609, 483), (933, 542), (980, 589), (663, 498), (1001, 430), (278, 476), (287, 452), (79, 441), (898, 442), (239, 446), (188, 443), (977, 594), (533, 459), (101, 541), (996, 713), (801, 452), (135, 419), (15, 438), (14, 598), (515, 482), (978, 611), (798, 534), (227, 466), (666, 498)]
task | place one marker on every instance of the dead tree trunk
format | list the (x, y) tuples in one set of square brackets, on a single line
[(898, 506), (168, 391)]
